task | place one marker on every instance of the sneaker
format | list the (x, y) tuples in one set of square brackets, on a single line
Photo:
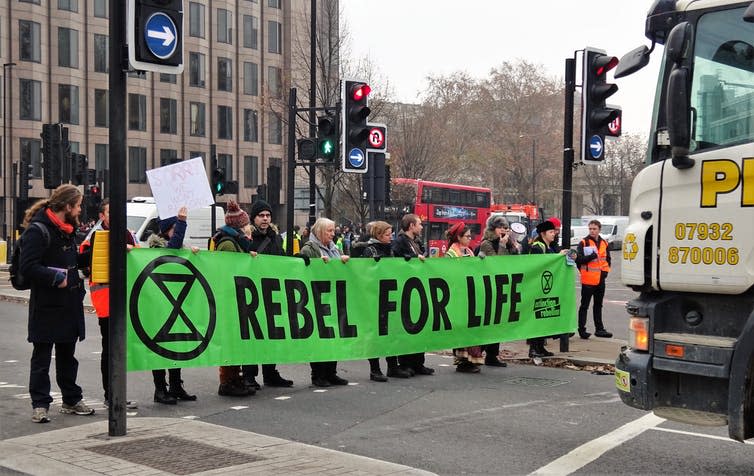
[(80, 408), (130, 404), (40, 415)]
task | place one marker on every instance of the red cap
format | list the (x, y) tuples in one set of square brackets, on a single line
[(555, 221)]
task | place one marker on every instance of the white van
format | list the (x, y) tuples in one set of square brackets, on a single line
[(613, 226), (141, 219)]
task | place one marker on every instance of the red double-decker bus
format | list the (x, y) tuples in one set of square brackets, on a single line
[(440, 205)]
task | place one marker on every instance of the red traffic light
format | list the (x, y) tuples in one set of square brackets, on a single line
[(360, 91), (603, 64), (94, 190)]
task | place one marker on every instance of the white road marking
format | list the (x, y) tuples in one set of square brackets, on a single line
[(134, 414), (10, 385), (444, 365), (353, 383), (190, 417), (622, 303), (320, 390), (240, 407), (592, 450), (284, 397), (703, 435), (10, 361)]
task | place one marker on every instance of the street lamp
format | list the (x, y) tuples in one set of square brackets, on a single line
[(533, 172), (8, 209)]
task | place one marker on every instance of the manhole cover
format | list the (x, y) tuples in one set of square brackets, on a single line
[(174, 455), (534, 381)]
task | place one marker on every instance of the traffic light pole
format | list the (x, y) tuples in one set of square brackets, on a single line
[(213, 166), (291, 176), (312, 113), (117, 319), (565, 234)]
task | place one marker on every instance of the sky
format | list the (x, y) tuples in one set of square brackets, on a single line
[(408, 40)]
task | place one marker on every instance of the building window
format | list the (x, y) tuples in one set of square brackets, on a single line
[(224, 74), (31, 153), (274, 37), (101, 157), (167, 78), (30, 100), (68, 104), (196, 19), (274, 82), (250, 171), (168, 156), (70, 5), (137, 112), (224, 26), (250, 125), (197, 155), (68, 48), (250, 79), (250, 31), (100, 8), (101, 53), (168, 116), (196, 69), (101, 111), (224, 122), (29, 44), (196, 127), (273, 3), (276, 129), (137, 165), (225, 162), (36, 2)]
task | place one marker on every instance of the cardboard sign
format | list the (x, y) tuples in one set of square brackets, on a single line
[(177, 185)]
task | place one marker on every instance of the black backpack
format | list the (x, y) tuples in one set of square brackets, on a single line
[(16, 279)]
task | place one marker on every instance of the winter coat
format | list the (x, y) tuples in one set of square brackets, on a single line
[(55, 314), (490, 245), (275, 244), (228, 238), (377, 249), (315, 249), (402, 246), (176, 242)]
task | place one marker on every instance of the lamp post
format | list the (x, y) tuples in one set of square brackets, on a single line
[(533, 172), (8, 211)]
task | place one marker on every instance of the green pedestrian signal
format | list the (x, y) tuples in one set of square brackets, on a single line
[(327, 136)]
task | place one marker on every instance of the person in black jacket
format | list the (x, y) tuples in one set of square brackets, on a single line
[(379, 246), (264, 240), (408, 245), (56, 310)]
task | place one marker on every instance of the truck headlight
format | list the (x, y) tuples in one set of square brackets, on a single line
[(638, 333)]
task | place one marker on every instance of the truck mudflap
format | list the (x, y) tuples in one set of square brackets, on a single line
[(633, 378)]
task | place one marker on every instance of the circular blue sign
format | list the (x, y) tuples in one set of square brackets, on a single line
[(356, 158), (161, 35), (596, 147)]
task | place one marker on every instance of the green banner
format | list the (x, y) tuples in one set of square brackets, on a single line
[(220, 308)]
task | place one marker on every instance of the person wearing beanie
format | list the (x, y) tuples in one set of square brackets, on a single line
[(265, 240), (235, 236), (172, 232)]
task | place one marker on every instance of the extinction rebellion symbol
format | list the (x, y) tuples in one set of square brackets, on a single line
[(170, 330)]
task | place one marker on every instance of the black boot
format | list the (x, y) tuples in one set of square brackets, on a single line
[(178, 392), (544, 352), (534, 351), (161, 395)]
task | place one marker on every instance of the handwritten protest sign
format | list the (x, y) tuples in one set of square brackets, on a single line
[(177, 185)]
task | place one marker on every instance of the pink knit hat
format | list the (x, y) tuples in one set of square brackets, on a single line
[(235, 217)]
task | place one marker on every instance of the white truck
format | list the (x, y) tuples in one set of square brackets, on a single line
[(141, 220), (688, 246)]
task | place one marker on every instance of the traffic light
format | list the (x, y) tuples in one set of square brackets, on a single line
[(92, 200), (155, 35), (355, 110), (218, 181), (327, 137), (24, 175), (80, 167), (52, 152), (262, 192), (595, 114)]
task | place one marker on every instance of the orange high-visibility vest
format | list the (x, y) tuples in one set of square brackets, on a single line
[(99, 293), (591, 272)]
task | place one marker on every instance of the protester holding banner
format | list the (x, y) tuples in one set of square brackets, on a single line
[(172, 232), (408, 245), (542, 244), (235, 236), (264, 240), (497, 242), (379, 246), (468, 359), (321, 245), (49, 261), (100, 296)]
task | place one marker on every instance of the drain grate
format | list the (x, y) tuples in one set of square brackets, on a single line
[(534, 381), (174, 455)]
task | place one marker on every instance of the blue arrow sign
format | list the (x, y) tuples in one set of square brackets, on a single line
[(356, 158), (596, 147), (161, 35)]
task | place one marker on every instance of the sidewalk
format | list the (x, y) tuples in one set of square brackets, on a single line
[(156, 446)]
